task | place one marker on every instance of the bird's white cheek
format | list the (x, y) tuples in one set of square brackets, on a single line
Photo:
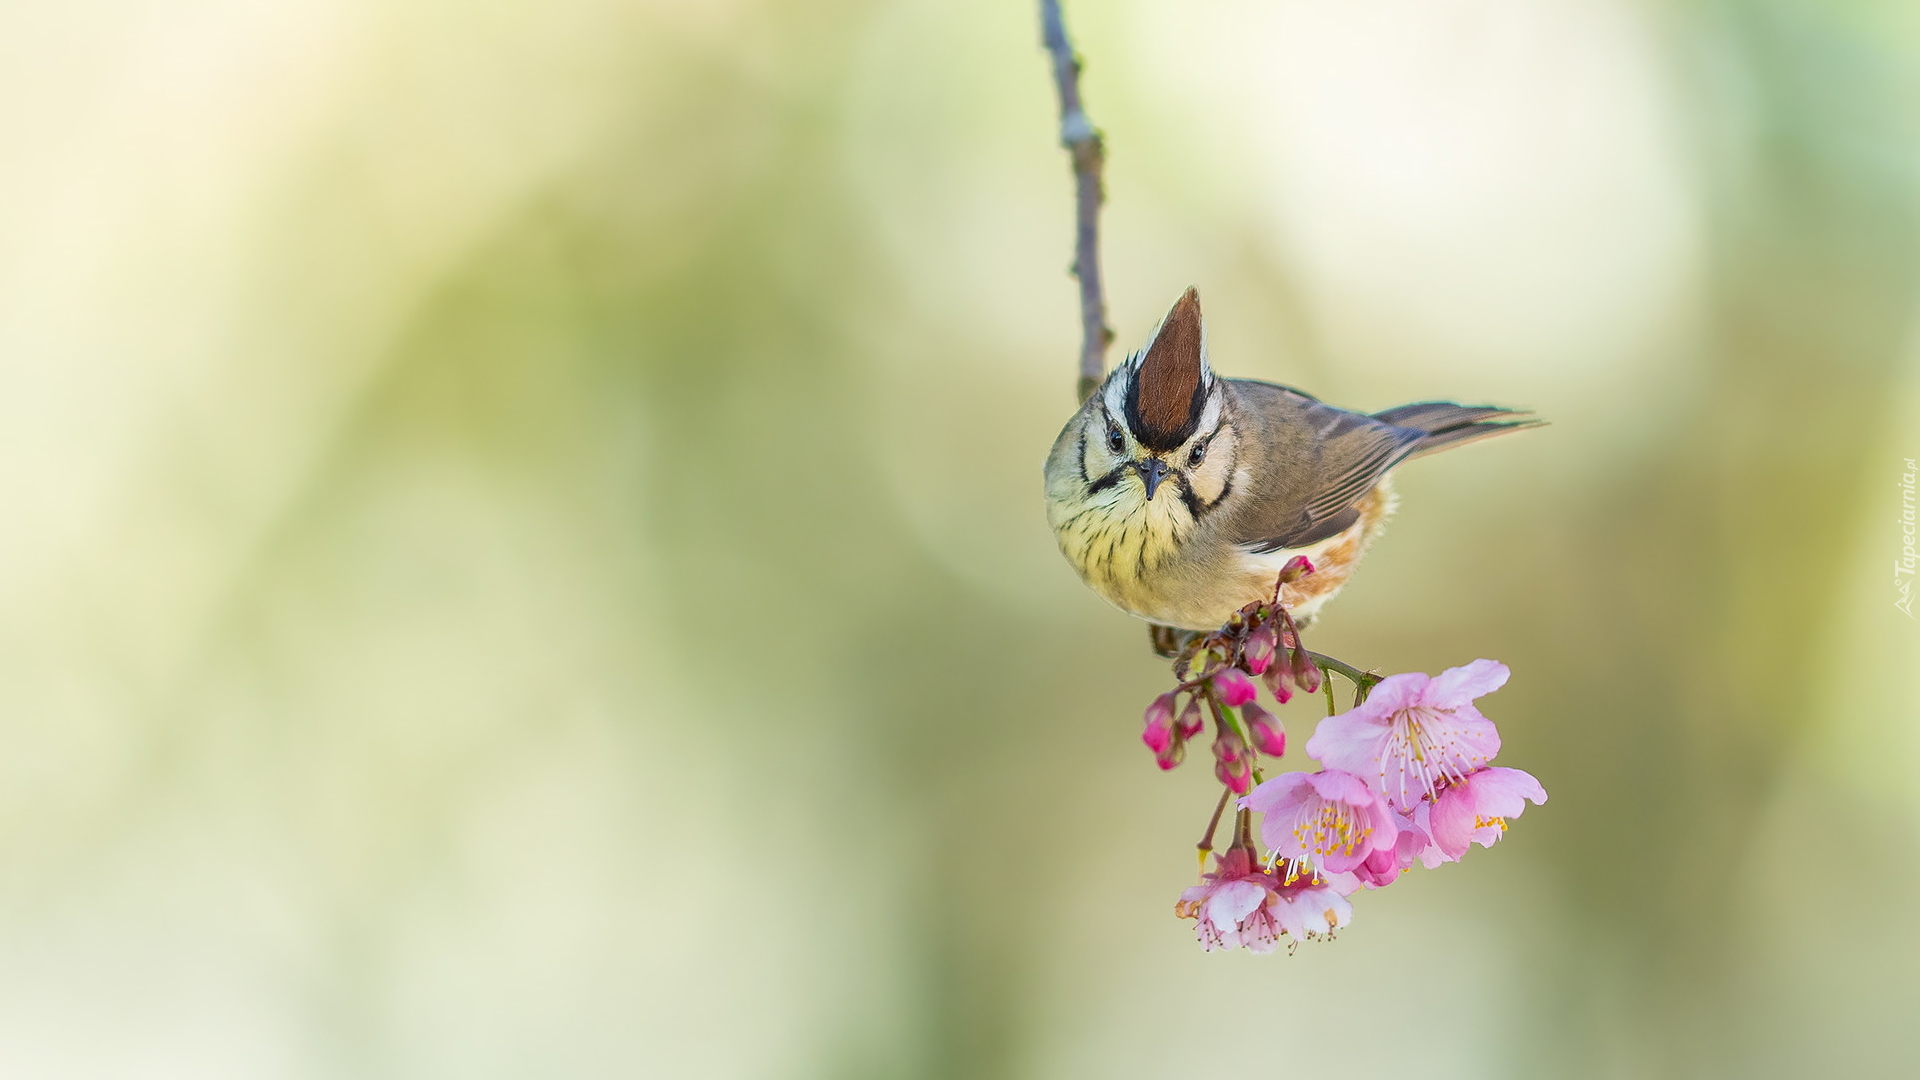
[(1210, 479), (1096, 462)]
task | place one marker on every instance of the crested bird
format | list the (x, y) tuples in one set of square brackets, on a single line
[(1178, 495)]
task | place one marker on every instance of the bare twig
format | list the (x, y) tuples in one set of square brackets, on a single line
[(1083, 141), (1213, 824)]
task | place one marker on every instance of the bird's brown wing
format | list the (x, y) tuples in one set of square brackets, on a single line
[(1313, 463), (1321, 460)]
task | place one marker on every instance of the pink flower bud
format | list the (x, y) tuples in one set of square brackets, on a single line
[(1237, 775), (1228, 746), (1305, 675), (1171, 756), (1276, 680), (1266, 732), (1234, 687), (1259, 649), (1296, 568), (1380, 869), (1159, 730), (1191, 720)]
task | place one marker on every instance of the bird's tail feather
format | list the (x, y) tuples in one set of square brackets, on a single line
[(1447, 425)]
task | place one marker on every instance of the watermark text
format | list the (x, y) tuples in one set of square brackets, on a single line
[(1903, 566)]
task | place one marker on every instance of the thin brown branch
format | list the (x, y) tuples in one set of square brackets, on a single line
[(1213, 824), (1084, 143)]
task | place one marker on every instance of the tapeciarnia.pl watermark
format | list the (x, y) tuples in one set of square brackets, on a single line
[(1904, 565)]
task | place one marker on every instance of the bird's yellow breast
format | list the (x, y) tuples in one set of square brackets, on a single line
[(1123, 545), (1140, 556)]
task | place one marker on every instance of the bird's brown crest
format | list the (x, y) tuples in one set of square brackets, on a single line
[(1169, 387)]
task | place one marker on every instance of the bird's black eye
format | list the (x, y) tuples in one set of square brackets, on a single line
[(1197, 455), (1116, 442)]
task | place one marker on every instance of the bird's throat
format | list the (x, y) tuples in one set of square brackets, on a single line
[(1119, 546)]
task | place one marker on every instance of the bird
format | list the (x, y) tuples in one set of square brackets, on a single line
[(1178, 495)]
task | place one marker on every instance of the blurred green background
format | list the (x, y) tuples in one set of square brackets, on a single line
[(524, 553)]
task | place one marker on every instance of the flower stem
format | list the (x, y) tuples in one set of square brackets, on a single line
[(1224, 717), (1213, 824), (1354, 675)]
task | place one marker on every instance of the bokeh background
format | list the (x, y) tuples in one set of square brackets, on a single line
[(523, 550)]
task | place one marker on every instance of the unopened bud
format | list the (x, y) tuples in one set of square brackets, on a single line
[(1234, 687), (1228, 746), (1276, 680), (1171, 756), (1237, 775), (1296, 568), (1159, 729), (1191, 720), (1305, 675), (1266, 732), (1380, 869), (1259, 648)]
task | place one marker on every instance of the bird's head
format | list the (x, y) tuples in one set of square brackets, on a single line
[(1158, 426)]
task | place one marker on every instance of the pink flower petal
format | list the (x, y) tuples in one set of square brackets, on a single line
[(1407, 753), (1313, 912), (1416, 841), (1380, 870), (1395, 692), (1458, 686), (1343, 884), (1452, 820), (1260, 931), (1350, 741), (1328, 820), (1232, 901), (1287, 790), (1343, 787), (1475, 809), (1502, 792)]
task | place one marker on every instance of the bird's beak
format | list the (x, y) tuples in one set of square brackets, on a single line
[(1152, 472)]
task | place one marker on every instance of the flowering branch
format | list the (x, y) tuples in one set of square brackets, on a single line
[(1404, 779), (1084, 142)]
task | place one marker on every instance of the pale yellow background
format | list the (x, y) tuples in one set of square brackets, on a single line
[(523, 556)]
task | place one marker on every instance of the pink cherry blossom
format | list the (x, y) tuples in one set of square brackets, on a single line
[(1221, 907), (1310, 912), (1233, 891), (1475, 809), (1414, 734), (1329, 820), (1240, 904)]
